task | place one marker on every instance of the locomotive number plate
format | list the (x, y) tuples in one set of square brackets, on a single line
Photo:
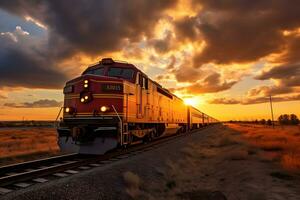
[(112, 87)]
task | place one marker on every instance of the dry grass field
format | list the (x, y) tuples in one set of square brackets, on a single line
[(20, 144), (281, 143)]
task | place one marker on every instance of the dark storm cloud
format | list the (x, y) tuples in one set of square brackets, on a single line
[(187, 73), (292, 49), (22, 64), (171, 65), (257, 100), (17, 69), (243, 30), (269, 90), (43, 103), (279, 72), (186, 28), (163, 45), (288, 77), (92, 27)]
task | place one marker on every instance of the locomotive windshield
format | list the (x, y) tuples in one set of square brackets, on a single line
[(119, 72), (97, 71), (124, 73)]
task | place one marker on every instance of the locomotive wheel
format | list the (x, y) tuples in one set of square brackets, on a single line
[(148, 138), (150, 135)]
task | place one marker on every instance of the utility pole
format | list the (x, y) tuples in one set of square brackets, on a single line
[(272, 111)]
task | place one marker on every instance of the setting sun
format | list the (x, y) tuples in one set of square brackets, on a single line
[(192, 101)]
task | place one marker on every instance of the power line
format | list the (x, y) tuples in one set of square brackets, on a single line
[(272, 111)]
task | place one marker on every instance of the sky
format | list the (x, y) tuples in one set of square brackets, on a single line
[(225, 57)]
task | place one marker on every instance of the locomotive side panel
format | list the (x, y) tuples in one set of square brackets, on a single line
[(152, 105)]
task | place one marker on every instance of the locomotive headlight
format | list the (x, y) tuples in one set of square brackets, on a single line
[(86, 97), (86, 84), (103, 108), (67, 109)]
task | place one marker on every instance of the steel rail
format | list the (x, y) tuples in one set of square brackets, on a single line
[(34, 163)]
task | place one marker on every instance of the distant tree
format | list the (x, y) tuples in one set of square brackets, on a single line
[(294, 119), (263, 121), (269, 122), (256, 121), (284, 119)]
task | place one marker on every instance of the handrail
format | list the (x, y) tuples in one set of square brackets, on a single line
[(121, 127), (55, 122)]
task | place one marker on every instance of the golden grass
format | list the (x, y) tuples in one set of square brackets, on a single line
[(17, 142), (133, 183), (284, 141)]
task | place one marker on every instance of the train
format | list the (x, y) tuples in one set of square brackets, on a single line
[(113, 104)]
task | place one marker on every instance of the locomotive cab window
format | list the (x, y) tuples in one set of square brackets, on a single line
[(124, 73), (140, 80), (143, 81), (97, 71)]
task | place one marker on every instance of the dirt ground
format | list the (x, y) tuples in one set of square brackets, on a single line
[(23, 144), (216, 163)]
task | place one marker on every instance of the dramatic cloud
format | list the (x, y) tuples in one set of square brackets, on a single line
[(243, 31), (291, 50), (171, 65), (161, 77), (289, 74), (280, 72), (43, 103), (163, 45), (23, 64), (186, 28), (186, 73), (93, 27), (224, 101), (269, 90), (256, 100), (287, 77), (210, 84)]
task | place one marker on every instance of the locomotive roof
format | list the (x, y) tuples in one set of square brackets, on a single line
[(115, 63)]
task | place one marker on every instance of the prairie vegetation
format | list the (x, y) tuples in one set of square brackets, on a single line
[(26, 123), (281, 143), (19, 144)]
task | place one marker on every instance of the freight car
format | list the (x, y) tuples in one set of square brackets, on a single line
[(114, 104)]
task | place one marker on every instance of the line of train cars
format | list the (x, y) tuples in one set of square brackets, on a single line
[(114, 104)]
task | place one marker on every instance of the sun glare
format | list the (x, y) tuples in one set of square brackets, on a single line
[(191, 101)]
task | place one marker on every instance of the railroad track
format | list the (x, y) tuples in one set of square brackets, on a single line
[(23, 175)]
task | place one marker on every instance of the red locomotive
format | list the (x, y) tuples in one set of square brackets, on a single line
[(115, 104)]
